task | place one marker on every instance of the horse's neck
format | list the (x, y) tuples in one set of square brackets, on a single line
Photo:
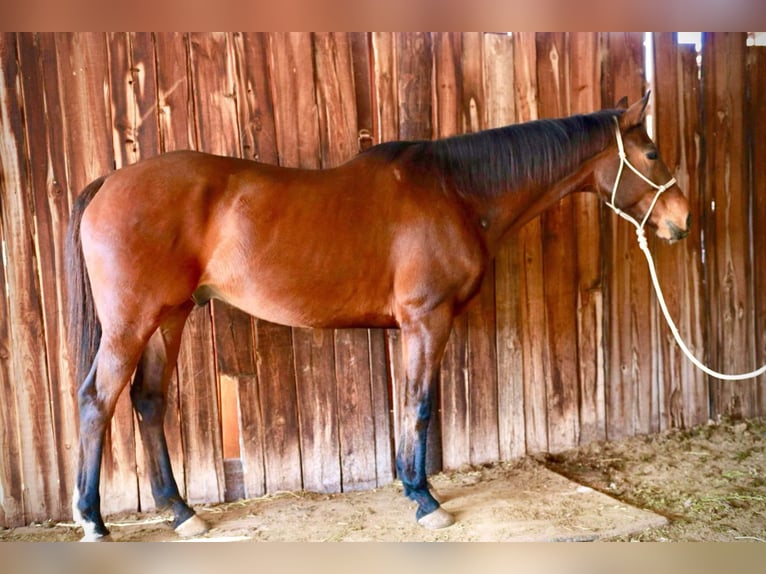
[(508, 212)]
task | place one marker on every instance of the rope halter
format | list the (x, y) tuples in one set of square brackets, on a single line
[(660, 188)]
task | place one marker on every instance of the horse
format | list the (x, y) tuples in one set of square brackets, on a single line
[(400, 237)]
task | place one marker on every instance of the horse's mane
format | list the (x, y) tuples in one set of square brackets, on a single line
[(492, 161)]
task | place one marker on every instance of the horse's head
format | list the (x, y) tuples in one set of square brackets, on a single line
[(633, 178)]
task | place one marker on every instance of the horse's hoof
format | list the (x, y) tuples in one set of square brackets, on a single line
[(193, 526), (439, 518), (93, 537)]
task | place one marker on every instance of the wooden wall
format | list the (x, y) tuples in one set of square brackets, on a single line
[(563, 346)]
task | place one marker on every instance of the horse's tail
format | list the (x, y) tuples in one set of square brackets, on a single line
[(84, 330)]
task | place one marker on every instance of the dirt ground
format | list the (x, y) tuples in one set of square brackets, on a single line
[(707, 483)]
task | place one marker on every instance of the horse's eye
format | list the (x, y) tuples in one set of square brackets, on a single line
[(652, 154)]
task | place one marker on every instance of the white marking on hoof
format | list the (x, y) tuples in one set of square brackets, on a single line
[(439, 518), (91, 536), (89, 528), (193, 526)]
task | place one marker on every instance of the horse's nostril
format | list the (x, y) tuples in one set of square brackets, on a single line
[(676, 232), (688, 223)]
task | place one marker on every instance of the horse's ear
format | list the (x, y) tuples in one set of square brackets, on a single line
[(634, 115), (622, 104)]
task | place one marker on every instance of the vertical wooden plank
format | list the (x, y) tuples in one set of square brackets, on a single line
[(215, 97), (534, 347), (133, 96), (381, 407), (37, 58), (175, 105), (214, 93), (628, 332), (176, 131), (336, 99), (361, 58), (357, 435), (11, 479), (361, 62), (455, 409), (255, 105), (83, 78), (501, 110), (385, 92), (39, 468), (385, 120), (727, 221), (276, 378), (756, 142), (200, 422), (414, 65), (414, 70), (668, 141), (559, 262), (683, 396), (482, 357), (317, 409), (258, 139), (585, 82), (314, 452), (696, 392), (133, 92)]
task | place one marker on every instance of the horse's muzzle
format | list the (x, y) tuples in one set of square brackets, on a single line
[(676, 233)]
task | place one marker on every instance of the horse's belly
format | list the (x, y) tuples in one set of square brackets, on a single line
[(304, 304)]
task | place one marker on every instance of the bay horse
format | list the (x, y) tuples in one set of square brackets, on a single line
[(400, 237)]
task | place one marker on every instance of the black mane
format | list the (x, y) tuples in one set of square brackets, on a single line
[(492, 161)]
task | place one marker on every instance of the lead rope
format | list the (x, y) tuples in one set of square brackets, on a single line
[(644, 246)]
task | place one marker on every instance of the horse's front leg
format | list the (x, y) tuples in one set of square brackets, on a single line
[(423, 340)]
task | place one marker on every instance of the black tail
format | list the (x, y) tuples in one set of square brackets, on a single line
[(84, 330)]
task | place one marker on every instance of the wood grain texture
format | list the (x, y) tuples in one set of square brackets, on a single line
[(585, 81), (255, 114), (176, 131), (630, 382), (683, 388), (385, 118), (559, 261), (26, 329), (501, 110), (414, 71), (338, 130), (134, 128), (11, 480), (727, 222), (11, 477), (83, 68), (563, 345), (756, 141), (314, 448), (216, 128), (50, 201), (534, 349), (454, 385)]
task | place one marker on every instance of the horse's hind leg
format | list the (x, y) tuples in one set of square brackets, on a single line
[(149, 396), (97, 396)]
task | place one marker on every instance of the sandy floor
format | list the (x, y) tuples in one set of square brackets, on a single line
[(702, 484)]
